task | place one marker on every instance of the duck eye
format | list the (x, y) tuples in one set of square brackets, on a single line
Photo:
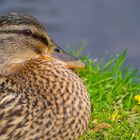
[(57, 50), (27, 32)]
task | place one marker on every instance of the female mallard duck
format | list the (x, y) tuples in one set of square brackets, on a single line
[(40, 97)]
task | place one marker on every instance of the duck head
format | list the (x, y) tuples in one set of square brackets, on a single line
[(23, 38)]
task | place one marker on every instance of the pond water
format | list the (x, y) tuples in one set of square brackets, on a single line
[(108, 26)]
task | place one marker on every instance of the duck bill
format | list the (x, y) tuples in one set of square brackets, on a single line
[(67, 59)]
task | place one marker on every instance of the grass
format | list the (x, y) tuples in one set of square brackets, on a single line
[(115, 100)]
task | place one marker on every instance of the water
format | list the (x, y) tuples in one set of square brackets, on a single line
[(108, 26)]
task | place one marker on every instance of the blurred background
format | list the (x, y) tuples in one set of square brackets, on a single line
[(107, 27)]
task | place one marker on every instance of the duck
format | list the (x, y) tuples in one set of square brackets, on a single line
[(41, 97)]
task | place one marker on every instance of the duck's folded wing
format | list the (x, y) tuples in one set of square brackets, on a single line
[(12, 114)]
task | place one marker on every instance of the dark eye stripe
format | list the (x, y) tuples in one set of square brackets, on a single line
[(36, 36), (41, 38)]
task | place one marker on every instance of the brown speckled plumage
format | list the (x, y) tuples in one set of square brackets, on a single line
[(42, 100)]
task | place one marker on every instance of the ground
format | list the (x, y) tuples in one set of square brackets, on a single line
[(114, 92)]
